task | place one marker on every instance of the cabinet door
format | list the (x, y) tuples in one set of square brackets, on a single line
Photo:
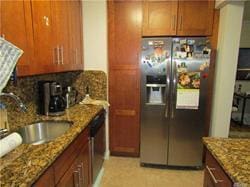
[(124, 112), (46, 55), (16, 27), (159, 18), (71, 178), (75, 34), (124, 34), (195, 18), (214, 175), (47, 179), (84, 166), (60, 18), (124, 51)]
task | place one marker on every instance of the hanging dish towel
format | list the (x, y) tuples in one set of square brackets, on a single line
[(9, 55), (88, 101)]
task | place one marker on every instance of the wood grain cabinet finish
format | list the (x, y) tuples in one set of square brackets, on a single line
[(16, 27), (195, 18), (180, 18), (124, 25), (159, 18), (214, 175), (49, 33), (72, 167)]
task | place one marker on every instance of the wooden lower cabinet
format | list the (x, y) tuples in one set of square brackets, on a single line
[(77, 174), (124, 112), (214, 175), (71, 168), (47, 179)]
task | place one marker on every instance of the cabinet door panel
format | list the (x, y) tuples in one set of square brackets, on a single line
[(124, 112), (44, 51), (84, 164), (217, 172), (159, 18), (124, 33), (195, 18), (60, 18), (16, 27), (75, 35)]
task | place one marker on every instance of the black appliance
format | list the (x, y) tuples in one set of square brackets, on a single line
[(97, 133), (50, 99), (243, 68)]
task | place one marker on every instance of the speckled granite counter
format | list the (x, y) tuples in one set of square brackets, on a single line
[(234, 157), (26, 163)]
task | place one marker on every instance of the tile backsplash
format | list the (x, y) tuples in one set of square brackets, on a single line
[(26, 89)]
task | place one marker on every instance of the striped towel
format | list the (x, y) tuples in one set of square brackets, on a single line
[(9, 54)]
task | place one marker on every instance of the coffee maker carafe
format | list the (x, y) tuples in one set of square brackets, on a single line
[(51, 101)]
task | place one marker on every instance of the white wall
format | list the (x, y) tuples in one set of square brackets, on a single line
[(95, 35), (226, 63), (95, 43)]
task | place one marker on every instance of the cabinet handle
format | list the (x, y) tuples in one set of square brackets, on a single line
[(92, 146), (46, 19), (81, 174), (57, 55), (62, 55), (76, 57), (180, 23), (76, 179), (173, 22), (216, 181)]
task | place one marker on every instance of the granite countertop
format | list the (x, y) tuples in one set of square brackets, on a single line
[(234, 157), (26, 163)]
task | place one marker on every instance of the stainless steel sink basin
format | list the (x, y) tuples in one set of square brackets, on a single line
[(43, 131)]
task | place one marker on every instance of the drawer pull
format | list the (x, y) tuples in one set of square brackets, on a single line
[(216, 181), (76, 178)]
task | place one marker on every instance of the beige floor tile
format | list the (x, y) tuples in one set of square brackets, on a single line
[(127, 172)]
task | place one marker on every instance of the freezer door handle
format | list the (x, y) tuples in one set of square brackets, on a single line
[(173, 90), (168, 73)]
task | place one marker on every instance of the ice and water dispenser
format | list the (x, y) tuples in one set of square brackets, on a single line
[(155, 89)]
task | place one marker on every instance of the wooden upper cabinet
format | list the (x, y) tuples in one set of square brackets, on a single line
[(125, 19), (75, 34), (16, 27), (61, 27), (195, 18), (49, 32), (181, 18), (159, 18), (45, 54)]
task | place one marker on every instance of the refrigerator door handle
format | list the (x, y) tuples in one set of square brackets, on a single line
[(173, 90), (168, 72)]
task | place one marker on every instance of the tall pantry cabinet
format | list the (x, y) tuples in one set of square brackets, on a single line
[(128, 21), (124, 23)]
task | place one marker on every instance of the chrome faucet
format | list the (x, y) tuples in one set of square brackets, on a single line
[(17, 100)]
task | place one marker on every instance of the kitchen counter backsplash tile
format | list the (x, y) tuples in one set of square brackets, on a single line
[(26, 163), (26, 89), (234, 157), (97, 83)]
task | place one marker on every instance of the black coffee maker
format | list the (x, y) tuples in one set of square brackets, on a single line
[(50, 99)]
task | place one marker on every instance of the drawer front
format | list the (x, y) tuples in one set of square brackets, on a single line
[(214, 174)]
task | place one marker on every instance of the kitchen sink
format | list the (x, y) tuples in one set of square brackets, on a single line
[(43, 131)]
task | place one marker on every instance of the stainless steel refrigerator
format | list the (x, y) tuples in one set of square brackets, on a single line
[(174, 74)]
